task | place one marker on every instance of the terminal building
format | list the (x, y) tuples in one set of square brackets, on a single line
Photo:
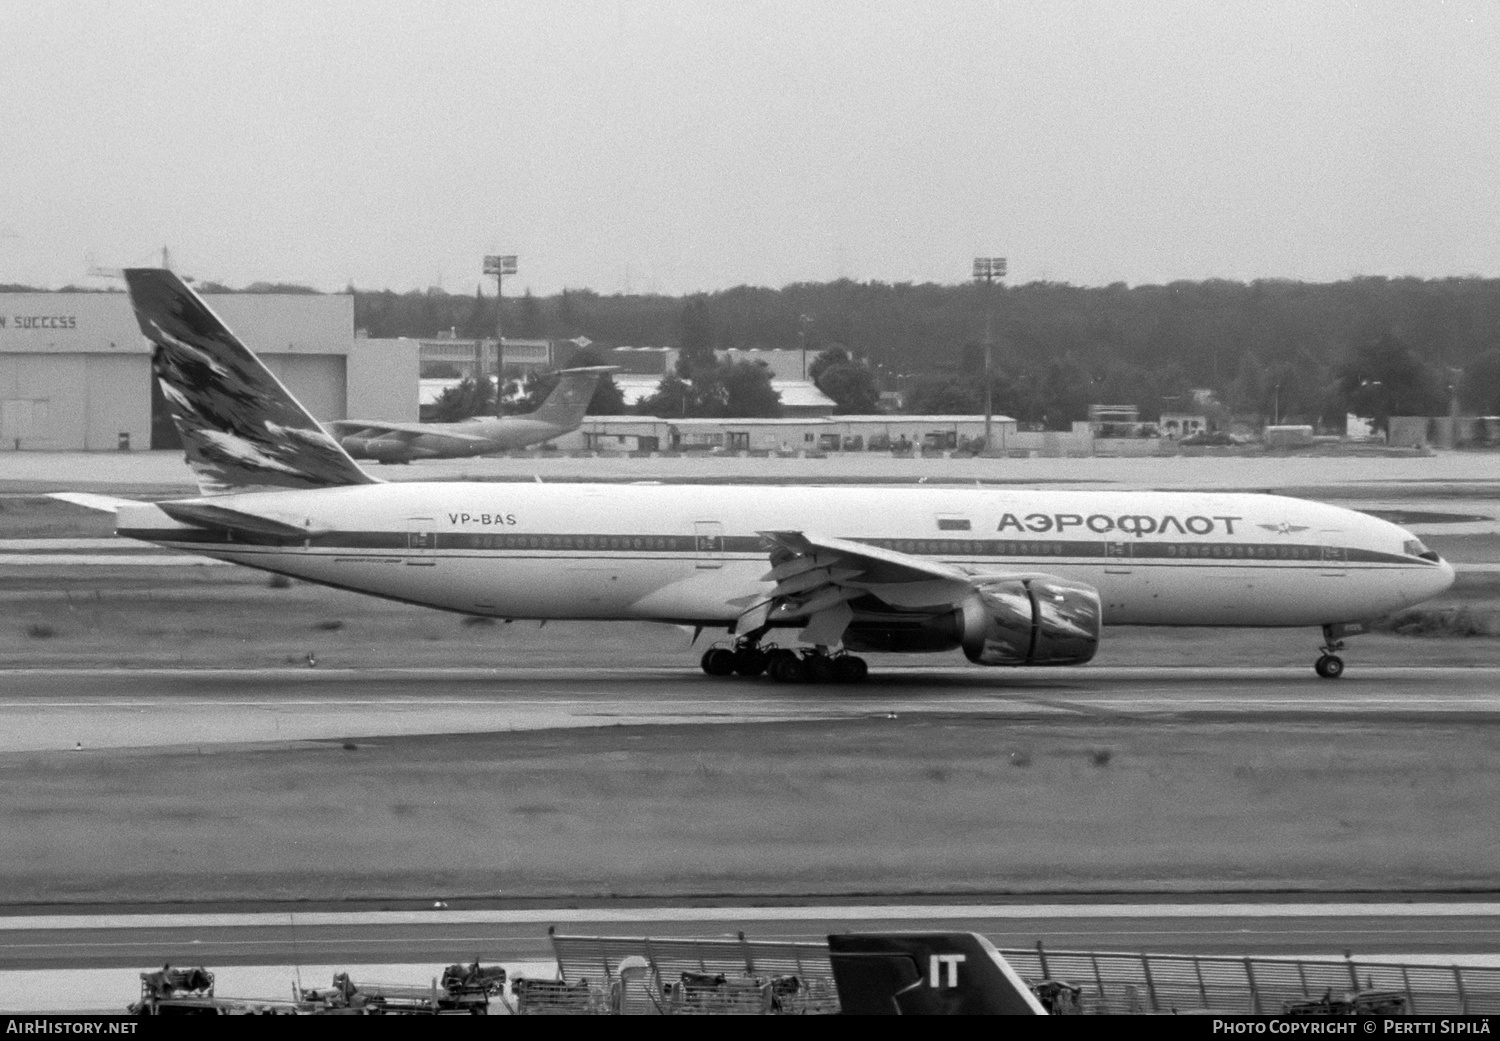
[(75, 372)]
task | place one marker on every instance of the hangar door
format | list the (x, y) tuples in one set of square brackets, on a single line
[(319, 381), (73, 401)]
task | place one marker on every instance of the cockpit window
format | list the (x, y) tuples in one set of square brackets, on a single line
[(1414, 548)]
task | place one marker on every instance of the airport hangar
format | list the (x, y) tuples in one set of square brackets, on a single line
[(75, 372)]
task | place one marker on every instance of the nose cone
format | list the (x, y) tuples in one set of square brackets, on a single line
[(1426, 583), (1443, 580)]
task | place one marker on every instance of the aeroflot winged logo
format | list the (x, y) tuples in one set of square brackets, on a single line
[(1283, 528)]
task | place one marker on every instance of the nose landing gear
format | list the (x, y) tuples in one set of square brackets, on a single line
[(1329, 665)]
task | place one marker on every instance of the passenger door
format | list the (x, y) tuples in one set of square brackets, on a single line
[(1335, 562), (708, 543), (421, 540)]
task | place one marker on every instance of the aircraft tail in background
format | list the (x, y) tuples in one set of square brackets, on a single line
[(569, 400), (241, 428), (926, 974)]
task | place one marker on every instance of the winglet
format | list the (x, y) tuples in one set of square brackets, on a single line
[(241, 428)]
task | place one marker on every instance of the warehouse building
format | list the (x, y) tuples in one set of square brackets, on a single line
[(75, 372), (789, 434)]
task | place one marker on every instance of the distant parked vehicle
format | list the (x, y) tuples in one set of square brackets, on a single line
[(1211, 438)]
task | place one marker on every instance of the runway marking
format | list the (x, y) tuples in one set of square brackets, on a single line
[(1004, 679), (91, 544), (42, 703), (851, 913), (103, 560), (629, 706)]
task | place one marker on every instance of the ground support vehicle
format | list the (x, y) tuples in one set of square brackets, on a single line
[(463, 990), (190, 992)]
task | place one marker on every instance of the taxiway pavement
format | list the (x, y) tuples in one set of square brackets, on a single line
[(92, 709)]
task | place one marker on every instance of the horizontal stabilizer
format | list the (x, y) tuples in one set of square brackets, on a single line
[(207, 515), (88, 500)]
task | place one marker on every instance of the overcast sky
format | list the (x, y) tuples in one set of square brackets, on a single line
[(673, 147)]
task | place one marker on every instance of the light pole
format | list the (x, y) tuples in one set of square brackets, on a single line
[(499, 266), (1455, 377), (986, 270)]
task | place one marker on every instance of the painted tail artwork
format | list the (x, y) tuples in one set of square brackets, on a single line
[(240, 426), (926, 974)]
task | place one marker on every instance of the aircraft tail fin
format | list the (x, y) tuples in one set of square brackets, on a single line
[(569, 400), (926, 974), (240, 426)]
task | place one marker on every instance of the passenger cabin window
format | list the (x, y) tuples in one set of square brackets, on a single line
[(953, 524)]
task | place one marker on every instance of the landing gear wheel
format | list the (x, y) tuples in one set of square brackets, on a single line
[(1330, 666), (849, 669), (718, 661), (819, 668), (787, 668), (750, 661)]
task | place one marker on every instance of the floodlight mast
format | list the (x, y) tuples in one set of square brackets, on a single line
[(987, 269), (499, 266)]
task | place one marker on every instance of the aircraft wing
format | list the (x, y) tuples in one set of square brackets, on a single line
[(816, 577), (342, 428)]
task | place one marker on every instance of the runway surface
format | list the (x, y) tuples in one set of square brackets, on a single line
[(439, 937), (96, 709)]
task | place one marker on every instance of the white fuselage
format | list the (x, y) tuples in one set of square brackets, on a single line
[(691, 554)]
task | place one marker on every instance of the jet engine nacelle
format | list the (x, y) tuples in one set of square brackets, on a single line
[(1031, 621)]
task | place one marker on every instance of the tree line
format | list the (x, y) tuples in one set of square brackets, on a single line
[(1269, 349), (1272, 349)]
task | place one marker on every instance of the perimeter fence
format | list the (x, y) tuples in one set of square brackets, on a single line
[(1166, 983), (646, 976), (643, 975)]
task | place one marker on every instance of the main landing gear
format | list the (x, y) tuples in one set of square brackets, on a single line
[(784, 665), (747, 659), (1329, 665)]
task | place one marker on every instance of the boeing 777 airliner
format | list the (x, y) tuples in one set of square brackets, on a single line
[(799, 578)]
